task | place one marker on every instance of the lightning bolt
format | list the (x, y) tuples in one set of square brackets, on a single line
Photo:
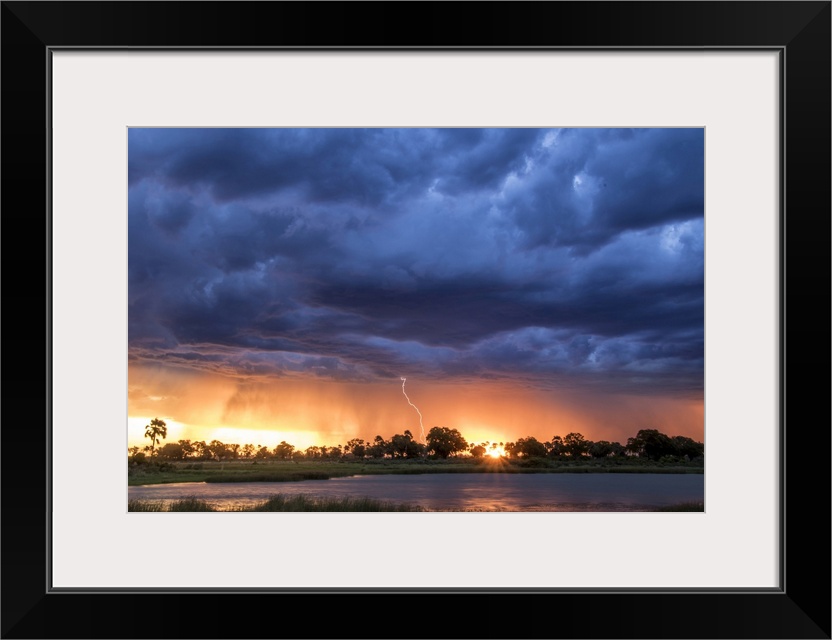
[(421, 426)]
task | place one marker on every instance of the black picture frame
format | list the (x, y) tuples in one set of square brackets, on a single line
[(800, 608)]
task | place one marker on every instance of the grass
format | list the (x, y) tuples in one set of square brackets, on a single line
[(145, 505), (313, 503), (280, 471), (277, 502), (278, 476), (284, 503), (190, 504), (185, 504), (683, 506)]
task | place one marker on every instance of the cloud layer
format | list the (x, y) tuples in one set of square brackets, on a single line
[(549, 258)]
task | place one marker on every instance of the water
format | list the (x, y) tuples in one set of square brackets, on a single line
[(462, 492)]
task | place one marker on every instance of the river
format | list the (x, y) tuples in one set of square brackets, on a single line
[(462, 492)]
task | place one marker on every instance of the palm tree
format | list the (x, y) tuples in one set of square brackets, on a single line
[(155, 430)]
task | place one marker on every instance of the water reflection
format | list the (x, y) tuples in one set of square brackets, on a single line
[(462, 492)]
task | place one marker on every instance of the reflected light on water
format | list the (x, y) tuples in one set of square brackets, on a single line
[(462, 492)]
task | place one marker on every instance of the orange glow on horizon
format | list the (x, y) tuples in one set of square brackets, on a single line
[(265, 437), (309, 412), (136, 427)]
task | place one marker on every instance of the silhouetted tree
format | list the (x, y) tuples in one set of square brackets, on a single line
[(218, 450), (201, 451), (687, 447), (404, 446), (187, 448), (444, 442), (284, 450), (171, 451), (262, 453), (651, 443), (478, 451), (555, 447), (529, 448), (136, 455), (379, 448), (356, 447), (576, 445), (155, 430), (604, 449)]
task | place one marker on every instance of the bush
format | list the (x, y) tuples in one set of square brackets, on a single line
[(144, 505), (138, 459), (684, 506), (282, 502), (532, 463), (278, 475), (185, 504), (190, 504)]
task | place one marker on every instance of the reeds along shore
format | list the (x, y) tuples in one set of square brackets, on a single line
[(279, 502), (292, 471), (276, 503)]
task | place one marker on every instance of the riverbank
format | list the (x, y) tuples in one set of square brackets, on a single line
[(298, 503), (277, 503), (288, 471)]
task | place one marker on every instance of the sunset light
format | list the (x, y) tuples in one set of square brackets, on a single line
[(136, 427), (396, 297)]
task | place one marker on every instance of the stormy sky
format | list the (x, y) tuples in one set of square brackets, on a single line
[(525, 281)]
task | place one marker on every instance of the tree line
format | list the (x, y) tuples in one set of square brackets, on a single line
[(440, 442)]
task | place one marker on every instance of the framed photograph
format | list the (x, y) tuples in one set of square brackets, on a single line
[(689, 149)]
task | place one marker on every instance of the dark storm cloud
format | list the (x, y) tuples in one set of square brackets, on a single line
[(365, 166), (540, 255), (594, 184)]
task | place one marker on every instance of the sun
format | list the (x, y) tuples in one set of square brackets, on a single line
[(495, 452)]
